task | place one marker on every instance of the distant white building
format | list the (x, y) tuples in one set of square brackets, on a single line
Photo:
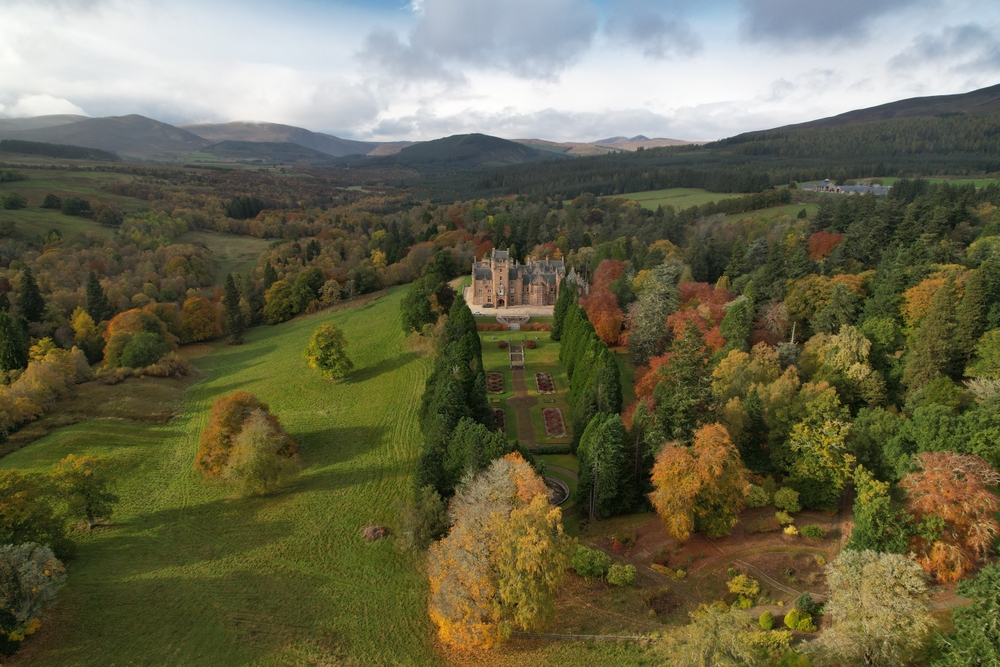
[(862, 188)]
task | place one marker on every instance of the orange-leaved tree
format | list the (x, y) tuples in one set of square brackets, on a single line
[(229, 416), (701, 487), (202, 320), (502, 564), (949, 495)]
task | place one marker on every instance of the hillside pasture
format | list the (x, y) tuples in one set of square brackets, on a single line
[(230, 253), (679, 198)]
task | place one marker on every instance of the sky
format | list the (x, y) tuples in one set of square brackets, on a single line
[(563, 70)]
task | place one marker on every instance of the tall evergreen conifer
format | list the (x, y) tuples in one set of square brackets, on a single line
[(29, 299), (98, 306), (235, 324), (13, 344)]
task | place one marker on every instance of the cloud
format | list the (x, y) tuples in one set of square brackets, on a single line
[(649, 28), (40, 105), (779, 21), (969, 48), (533, 39)]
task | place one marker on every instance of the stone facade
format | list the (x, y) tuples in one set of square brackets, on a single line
[(500, 282)]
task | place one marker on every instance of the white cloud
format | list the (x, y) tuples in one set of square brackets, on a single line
[(40, 105)]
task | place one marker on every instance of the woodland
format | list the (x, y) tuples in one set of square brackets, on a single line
[(839, 362)]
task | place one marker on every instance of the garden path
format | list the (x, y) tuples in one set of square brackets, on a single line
[(522, 404)]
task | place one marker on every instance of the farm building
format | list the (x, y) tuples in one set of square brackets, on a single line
[(501, 282)]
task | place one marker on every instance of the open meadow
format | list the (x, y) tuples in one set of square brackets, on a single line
[(679, 198)]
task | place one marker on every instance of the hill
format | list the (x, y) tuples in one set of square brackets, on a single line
[(132, 135), (462, 152), (37, 122), (55, 150), (602, 146), (639, 141), (984, 100), (279, 134), (266, 151)]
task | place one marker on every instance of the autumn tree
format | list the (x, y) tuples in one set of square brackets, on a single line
[(228, 417), (85, 335), (703, 486), (932, 350), (84, 483), (950, 498), (259, 460), (235, 324), (716, 637), (200, 320), (26, 514), (327, 352), (278, 303), (877, 608), (502, 564), (30, 578)]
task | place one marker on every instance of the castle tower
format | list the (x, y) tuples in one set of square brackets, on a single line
[(500, 266)]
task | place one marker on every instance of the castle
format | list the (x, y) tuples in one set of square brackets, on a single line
[(500, 282)]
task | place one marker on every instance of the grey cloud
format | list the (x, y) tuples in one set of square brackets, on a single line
[(792, 20), (967, 48), (651, 29), (530, 38)]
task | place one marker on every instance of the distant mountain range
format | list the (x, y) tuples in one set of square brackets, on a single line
[(602, 146), (276, 133)]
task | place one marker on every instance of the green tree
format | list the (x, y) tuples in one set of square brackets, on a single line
[(647, 316), (822, 464), (84, 482), (590, 563), (270, 276), (327, 352), (683, 395), (98, 306), (879, 524), (235, 324), (25, 513), (471, 448), (415, 307), (737, 324), (603, 467), (932, 350), (29, 298), (840, 309), (424, 520), (257, 461), (877, 609), (715, 637), (976, 639), (970, 317), (13, 344), (567, 297), (279, 305), (141, 349)]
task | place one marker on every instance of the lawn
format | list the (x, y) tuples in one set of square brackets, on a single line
[(189, 575), (679, 198), (229, 251)]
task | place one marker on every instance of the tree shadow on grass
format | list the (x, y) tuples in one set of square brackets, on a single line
[(236, 358), (385, 366), (330, 446)]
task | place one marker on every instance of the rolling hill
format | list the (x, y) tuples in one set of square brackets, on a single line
[(132, 136), (602, 146), (984, 100), (275, 133), (459, 152), (266, 151), (38, 122)]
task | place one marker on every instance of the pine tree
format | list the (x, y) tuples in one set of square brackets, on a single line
[(98, 306), (30, 300), (683, 396), (270, 276), (235, 325), (13, 345), (4, 302), (932, 352), (970, 318), (567, 296), (253, 299), (603, 465)]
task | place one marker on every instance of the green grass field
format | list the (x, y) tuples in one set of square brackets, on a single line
[(229, 251), (679, 198), (189, 575), (787, 209)]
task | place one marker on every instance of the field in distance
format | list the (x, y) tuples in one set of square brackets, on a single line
[(679, 198)]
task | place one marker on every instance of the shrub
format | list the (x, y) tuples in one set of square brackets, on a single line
[(813, 531), (743, 585), (51, 201), (257, 461), (805, 604), (14, 201), (590, 563), (784, 518), (530, 344), (142, 349), (766, 621), (791, 530), (767, 524), (742, 603), (758, 497), (75, 206), (787, 499), (621, 575), (799, 620), (771, 641), (502, 344)]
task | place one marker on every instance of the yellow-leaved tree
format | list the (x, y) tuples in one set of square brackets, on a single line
[(703, 486), (502, 564)]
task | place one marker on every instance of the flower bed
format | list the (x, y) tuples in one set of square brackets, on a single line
[(554, 426), (544, 383), (494, 383), (499, 419)]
